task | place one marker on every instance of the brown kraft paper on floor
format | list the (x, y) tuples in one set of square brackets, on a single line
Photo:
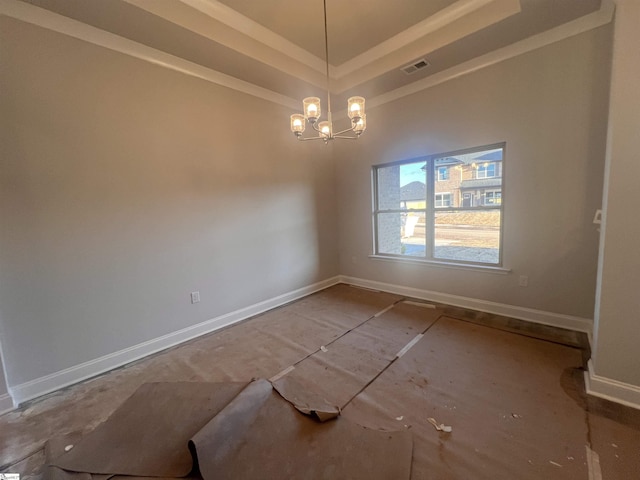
[(149, 434), (251, 433), (260, 435), (337, 373), (502, 395)]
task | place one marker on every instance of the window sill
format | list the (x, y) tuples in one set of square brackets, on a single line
[(435, 263)]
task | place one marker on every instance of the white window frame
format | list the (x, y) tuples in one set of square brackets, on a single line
[(441, 200), (485, 173), (493, 193), (445, 177), (431, 177)]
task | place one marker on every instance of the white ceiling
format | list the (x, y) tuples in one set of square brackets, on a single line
[(278, 45)]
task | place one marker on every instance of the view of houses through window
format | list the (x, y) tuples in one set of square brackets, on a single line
[(446, 207)]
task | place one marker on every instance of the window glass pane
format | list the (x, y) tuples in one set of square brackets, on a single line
[(413, 188), (402, 186), (401, 233), (469, 236), (470, 177)]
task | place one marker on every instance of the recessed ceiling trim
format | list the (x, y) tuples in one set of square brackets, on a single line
[(253, 29), (488, 14), (46, 19), (184, 15), (251, 39), (58, 23), (561, 32), (435, 22)]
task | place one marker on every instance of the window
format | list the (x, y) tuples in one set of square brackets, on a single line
[(443, 173), (443, 200), (486, 170), (492, 197), (414, 219)]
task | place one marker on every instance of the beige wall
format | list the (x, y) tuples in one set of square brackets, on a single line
[(550, 107), (617, 327), (125, 186)]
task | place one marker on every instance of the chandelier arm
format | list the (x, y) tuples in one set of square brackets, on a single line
[(343, 137), (314, 126), (344, 131), (306, 139)]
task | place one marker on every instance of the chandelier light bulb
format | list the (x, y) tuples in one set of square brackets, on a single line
[(297, 124), (324, 128), (360, 125), (355, 107), (311, 106)]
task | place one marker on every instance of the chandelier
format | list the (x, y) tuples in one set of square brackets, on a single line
[(311, 108)]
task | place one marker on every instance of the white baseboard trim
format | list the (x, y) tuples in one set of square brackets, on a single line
[(609, 389), (55, 381), (6, 403), (523, 313)]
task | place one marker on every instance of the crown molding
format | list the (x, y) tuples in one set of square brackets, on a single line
[(58, 23), (438, 21), (46, 19), (224, 26), (248, 27), (580, 25), (240, 33), (443, 31)]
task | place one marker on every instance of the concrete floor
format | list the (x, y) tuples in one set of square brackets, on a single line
[(239, 353)]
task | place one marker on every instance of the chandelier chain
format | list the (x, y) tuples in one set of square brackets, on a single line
[(326, 55)]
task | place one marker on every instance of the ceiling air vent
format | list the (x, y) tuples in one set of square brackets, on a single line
[(415, 66)]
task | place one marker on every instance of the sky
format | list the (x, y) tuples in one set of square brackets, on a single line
[(412, 172)]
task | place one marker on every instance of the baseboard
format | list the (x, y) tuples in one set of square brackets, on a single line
[(609, 389), (523, 313), (55, 381), (6, 403)]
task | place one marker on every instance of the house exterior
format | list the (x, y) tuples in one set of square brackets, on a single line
[(413, 195), (469, 180)]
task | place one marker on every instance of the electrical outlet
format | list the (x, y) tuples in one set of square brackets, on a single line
[(195, 297), (523, 281)]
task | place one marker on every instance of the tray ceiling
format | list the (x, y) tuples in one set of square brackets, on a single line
[(278, 45)]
